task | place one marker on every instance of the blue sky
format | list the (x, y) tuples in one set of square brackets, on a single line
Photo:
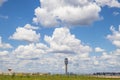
[(36, 34)]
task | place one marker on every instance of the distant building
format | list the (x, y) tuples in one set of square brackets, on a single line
[(107, 73)]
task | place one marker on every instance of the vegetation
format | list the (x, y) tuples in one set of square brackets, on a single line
[(53, 77)]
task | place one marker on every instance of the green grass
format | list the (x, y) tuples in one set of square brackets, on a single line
[(53, 77)]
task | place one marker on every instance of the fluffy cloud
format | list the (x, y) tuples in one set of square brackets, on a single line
[(2, 1), (98, 49), (115, 36), (3, 53), (73, 12), (62, 41), (36, 56), (61, 44), (54, 12), (4, 45), (110, 3), (108, 61), (111, 59), (28, 26), (26, 33), (31, 51)]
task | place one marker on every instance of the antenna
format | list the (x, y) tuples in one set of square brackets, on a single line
[(66, 63)]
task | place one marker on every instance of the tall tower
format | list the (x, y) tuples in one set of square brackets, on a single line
[(66, 63)]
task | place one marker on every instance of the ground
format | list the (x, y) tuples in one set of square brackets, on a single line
[(57, 77)]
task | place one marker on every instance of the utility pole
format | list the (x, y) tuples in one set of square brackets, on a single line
[(66, 63)]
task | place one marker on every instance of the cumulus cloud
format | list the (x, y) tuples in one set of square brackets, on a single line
[(62, 41), (2, 1), (3, 53), (26, 33), (98, 49), (61, 44), (28, 26), (31, 51), (53, 12), (110, 3), (4, 45), (108, 61), (111, 59), (38, 56), (115, 36)]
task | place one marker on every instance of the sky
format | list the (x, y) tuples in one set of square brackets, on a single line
[(37, 35)]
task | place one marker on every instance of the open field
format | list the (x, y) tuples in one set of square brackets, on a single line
[(54, 77)]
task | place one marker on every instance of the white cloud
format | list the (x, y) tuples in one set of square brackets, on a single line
[(111, 59), (116, 13), (3, 53), (4, 45), (62, 41), (110, 3), (31, 51), (28, 26), (43, 17), (61, 44), (26, 33), (98, 49), (53, 12), (115, 36), (106, 56), (2, 1)]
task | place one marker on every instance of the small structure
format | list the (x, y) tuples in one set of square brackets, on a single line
[(66, 63), (9, 71)]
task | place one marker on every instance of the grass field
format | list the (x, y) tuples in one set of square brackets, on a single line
[(53, 77)]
